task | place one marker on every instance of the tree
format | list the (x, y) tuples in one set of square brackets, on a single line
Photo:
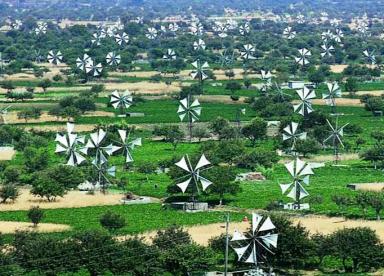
[(44, 84), (171, 133), (307, 146), (218, 124), (183, 259), (200, 132), (45, 186), (360, 245), (35, 215), (8, 191), (35, 159), (112, 221), (342, 202), (351, 85), (362, 200), (29, 113), (85, 104), (171, 237), (376, 201), (233, 86), (8, 85), (224, 182), (255, 130), (67, 176)]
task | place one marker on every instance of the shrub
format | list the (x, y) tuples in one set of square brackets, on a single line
[(35, 215), (112, 221), (8, 191)]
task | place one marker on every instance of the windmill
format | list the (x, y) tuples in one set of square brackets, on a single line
[(266, 78), (113, 59), (305, 106), (335, 136), (300, 19), (370, 56), (71, 145), (199, 71), (245, 29), (173, 27), (254, 246), (121, 39), (326, 50), (193, 176), (191, 110), (93, 69), (128, 144), (290, 133), (121, 101), (3, 114), (199, 45), (82, 62), (302, 59), (55, 58), (227, 58), (330, 96), (38, 56), (197, 28), (96, 39), (95, 145), (151, 33), (339, 35), (170, 55), (279, 93), (300, 172), (41, 28), (2, 62), (247, 54), (289, 33)]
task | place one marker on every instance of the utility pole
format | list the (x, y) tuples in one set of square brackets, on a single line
[(226, 244)]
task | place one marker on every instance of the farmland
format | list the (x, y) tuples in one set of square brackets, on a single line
[(132, 137)]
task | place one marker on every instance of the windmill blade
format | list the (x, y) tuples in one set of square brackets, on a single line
[(60, 149), (202, 162), (204, 182), (184, 185), (270, 240), (252, 258), (267, 225), (285, 187), (183, 164), (240, 251), (291, 167), (256, 219), (123, 134), (238, 236)]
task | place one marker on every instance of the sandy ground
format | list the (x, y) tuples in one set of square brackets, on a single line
[(6, 153), (9, 227), (376, 187), (330, 157), (220, 99), (145, 87), (372, 92), (11, 117), (201, 234), (72, 199), (56, 128), (340, 102)]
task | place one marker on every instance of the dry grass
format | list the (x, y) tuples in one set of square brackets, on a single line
[(340, 102), (145, 87), (10, 227), (375, 187), (73, 199)]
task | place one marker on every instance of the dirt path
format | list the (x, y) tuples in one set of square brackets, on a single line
[(10, 227), (72, 199)]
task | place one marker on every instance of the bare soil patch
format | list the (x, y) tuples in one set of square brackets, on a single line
[(10, 227), (340, 102), (145, 87), (375, 187), (73, 199), (6, 153)]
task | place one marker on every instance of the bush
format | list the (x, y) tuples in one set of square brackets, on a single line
[(8, 191), (171, 237), (35, 215), (257, 158), (112, 221)]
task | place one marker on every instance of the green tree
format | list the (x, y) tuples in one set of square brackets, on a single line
[(8, 191), (223, 179), (170, 237), (376, 201), (351, 85), (35, 215), (255, 130), (45, 186), (112, 221), (307, 146)]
